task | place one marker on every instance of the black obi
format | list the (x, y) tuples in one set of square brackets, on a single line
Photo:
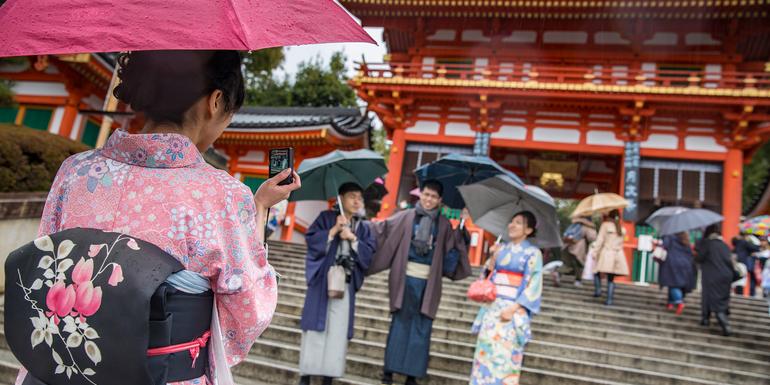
[(86, 307)]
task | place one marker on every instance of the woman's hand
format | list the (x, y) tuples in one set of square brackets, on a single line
[(270, 193), (507, 313)]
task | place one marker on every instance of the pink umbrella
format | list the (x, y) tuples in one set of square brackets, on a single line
[(36, 27)]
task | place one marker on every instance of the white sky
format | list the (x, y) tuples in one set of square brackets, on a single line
[(297, 54)]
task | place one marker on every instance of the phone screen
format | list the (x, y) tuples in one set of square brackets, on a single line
[(281, 159)]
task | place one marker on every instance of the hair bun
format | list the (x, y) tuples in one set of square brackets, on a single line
[(165, 84)]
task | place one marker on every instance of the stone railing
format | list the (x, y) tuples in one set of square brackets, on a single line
[(19, 220)]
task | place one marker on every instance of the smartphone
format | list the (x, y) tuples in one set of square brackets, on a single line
[(281, 159)]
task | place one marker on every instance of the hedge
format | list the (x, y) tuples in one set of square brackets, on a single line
[(30, 158)]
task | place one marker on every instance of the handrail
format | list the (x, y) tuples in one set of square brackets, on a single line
[(608, 75)]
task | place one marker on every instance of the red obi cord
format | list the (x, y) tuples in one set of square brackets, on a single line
[(194, 347), (514, 278)]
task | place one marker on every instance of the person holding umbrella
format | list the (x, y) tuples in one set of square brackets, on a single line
[(340, 248), (154, 186), (607, 251), (337, 238), (577, 238), (713, 256), (677, 270), (503, 328), (419, 247)]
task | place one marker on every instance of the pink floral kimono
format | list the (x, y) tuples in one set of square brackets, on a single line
[(157, 188)]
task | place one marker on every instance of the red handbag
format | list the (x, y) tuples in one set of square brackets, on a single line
[(483, 290)]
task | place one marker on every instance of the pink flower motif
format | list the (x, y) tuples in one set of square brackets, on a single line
[(83, 270), (98, 170), (117, 275), (60, 299), (88, 299), (95, 249)]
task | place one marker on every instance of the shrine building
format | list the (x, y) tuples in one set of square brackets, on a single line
[(660, 101)]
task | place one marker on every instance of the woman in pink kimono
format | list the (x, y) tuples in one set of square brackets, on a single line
[(155, 193)]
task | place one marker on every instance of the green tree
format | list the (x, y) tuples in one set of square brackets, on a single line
[(317, 86), (755, 175), (380, 143), (262, 88), (6, 94)]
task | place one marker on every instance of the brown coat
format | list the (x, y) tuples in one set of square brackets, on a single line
[(394, 237), (607, 250)]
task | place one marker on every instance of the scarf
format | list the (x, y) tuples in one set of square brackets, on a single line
[(422, 241)]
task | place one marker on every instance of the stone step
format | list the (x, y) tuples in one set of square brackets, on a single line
[(9, 366), (623, 305), (275, 372), (294, 268), (372, 343), (371, 367), (461, 332), (377, 305), (456, 342)]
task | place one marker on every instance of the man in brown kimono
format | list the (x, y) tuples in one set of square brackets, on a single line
[(419, 247)]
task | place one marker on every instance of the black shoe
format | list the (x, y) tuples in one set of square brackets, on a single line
[(411, 381), (387, 378), (722, 319), (304, 380), (327, 381), (597, 286), (610, 293)]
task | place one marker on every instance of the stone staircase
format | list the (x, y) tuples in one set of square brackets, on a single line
[(577, 340)]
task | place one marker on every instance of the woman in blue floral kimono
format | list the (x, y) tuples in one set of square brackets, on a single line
[(503, 327)]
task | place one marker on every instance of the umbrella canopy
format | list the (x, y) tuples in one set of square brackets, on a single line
[(657, 218), (757, 225), (599, 203), (456, 170), (323, 176), (494, 201), (77, 26), (689, 220)]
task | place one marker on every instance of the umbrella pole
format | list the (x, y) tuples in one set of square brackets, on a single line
[(110, 104), (499, 238)]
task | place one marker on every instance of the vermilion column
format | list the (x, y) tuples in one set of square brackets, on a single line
[(392, 181), (732, 192), (70, 114)]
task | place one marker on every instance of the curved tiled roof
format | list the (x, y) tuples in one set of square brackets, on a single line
[(346, 121)]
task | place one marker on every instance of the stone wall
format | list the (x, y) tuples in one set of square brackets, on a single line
[(19, 219)]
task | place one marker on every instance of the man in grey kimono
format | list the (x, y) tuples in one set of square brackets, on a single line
[(419, 247)]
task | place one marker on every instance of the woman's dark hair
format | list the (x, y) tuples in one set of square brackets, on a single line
[(433, 185), (615, 216), (349, 187), (711, 229), (529, 220), (165, 84)]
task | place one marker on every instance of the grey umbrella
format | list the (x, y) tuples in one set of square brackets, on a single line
[(657, 218), (494, 201), (689, 220)]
